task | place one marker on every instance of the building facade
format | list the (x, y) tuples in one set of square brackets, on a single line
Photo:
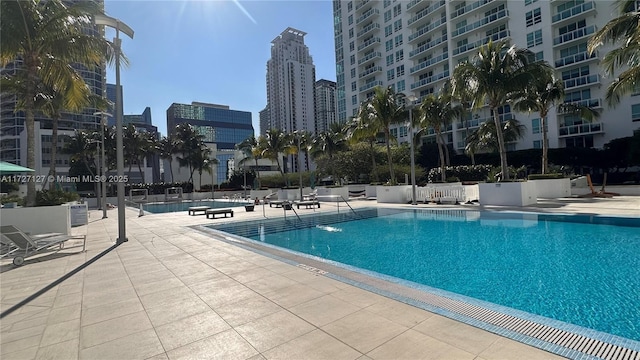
[(290, 84), (221, 127), (414, 46), (325, 104)]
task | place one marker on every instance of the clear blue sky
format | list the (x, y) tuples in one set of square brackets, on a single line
[(211, 51)]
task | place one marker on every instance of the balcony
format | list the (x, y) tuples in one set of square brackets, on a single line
[(425, 64), (482, 22), (368, 43), (581, 81), (427, 28), (423, 14), (368, 28), (592, 103), (413, 3), (469, 8), (574, 35), (471, 124), (429, 80), (427, 46), (369, 14), (370, 57), (574, 11), (582, 129), (360, 5), (370, 85), (369, 71), (468, 47), (574, 59)]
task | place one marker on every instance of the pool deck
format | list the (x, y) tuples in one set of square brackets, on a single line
[(172, 292)]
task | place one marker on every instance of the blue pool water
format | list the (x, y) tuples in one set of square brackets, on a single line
[(583, 270), (158, 208)]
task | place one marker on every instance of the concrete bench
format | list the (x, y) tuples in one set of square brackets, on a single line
[(308, 204), (194, 209), (211, 213)]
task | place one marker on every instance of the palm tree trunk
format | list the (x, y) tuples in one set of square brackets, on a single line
[(30, 128), (140, 170), (443, 169), (257, 175), (373, 162), (545, 145), (54, 150), (501, 147), (392, 176), (171, 167)]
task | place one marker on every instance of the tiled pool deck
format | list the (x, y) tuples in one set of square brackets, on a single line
[(173, 292)]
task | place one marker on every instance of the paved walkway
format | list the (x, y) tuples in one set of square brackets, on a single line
[(172, 292)]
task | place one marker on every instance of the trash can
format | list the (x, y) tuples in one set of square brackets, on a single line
[(249, 207)]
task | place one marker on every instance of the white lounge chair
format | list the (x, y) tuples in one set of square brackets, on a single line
[(26, 245)]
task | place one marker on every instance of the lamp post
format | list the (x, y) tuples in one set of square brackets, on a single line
[(118, 26), (298, 134), (411, 99), (103, 165)]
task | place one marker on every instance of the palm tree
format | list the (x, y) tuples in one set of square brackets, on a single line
[(275, 143), (624, 29), (306, 142), (167, 147), (204, 161), (437, 112), (544, 94), (43, 38), (329, 143), (384, 110), (494, 75), (361, 129), (251, 150), (190, 145), (484, 137)]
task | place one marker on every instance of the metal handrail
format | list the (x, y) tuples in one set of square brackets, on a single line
[(284, 208), (345, 201)]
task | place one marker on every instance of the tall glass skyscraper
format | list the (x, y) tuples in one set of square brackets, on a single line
[(221, 127)]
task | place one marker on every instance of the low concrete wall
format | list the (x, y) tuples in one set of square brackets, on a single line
[(328, 191), (39, 220), (508, 193), (552, 188), (393, 194)]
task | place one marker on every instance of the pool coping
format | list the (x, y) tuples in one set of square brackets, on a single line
[(548, 334)]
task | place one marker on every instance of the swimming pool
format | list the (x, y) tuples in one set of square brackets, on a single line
[(583, 270), (159, 208)]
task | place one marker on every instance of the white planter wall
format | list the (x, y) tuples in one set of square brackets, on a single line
[(39, 220), (370, 191), (508, 193), (553, 188), (393, 194), (328, 191)]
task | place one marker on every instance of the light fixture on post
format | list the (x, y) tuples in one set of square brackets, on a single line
[(103, 164), (118, 26), (410, 104)]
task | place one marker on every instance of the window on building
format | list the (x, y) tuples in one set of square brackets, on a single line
[(398, 40), (354, 86), (529, 2), (404, 131), (353, 73), (388, 30), (401, 86), (352, 59), (351, 33), (354, 100), (575, 73), (391, 74), (576, 49), (535, 126), (533, 17), (389, 59), (400, 71), (350, 6), (397, 10), (350, 19), (572, 27), (534, 38), (388, 45), (399, 55), (387, 16), (537, 144), (635, 112), (352, 46), (397, 25), (386, 3), (539, 56)]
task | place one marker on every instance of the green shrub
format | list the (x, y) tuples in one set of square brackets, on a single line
[(462, 173), (6, 199), (55, 197), (8, 187), (545, 176)]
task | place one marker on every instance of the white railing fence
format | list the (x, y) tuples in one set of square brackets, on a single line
[(444, 193)]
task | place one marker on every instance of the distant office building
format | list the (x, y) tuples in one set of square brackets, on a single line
[(222, 129), (265, 121), (144, 118), (325, 104), (111, 96), (414, 46), (290, 84), (143, 123)]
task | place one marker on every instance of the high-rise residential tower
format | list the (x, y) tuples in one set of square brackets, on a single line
[(414, 46), (325, 104), (291, 78)]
